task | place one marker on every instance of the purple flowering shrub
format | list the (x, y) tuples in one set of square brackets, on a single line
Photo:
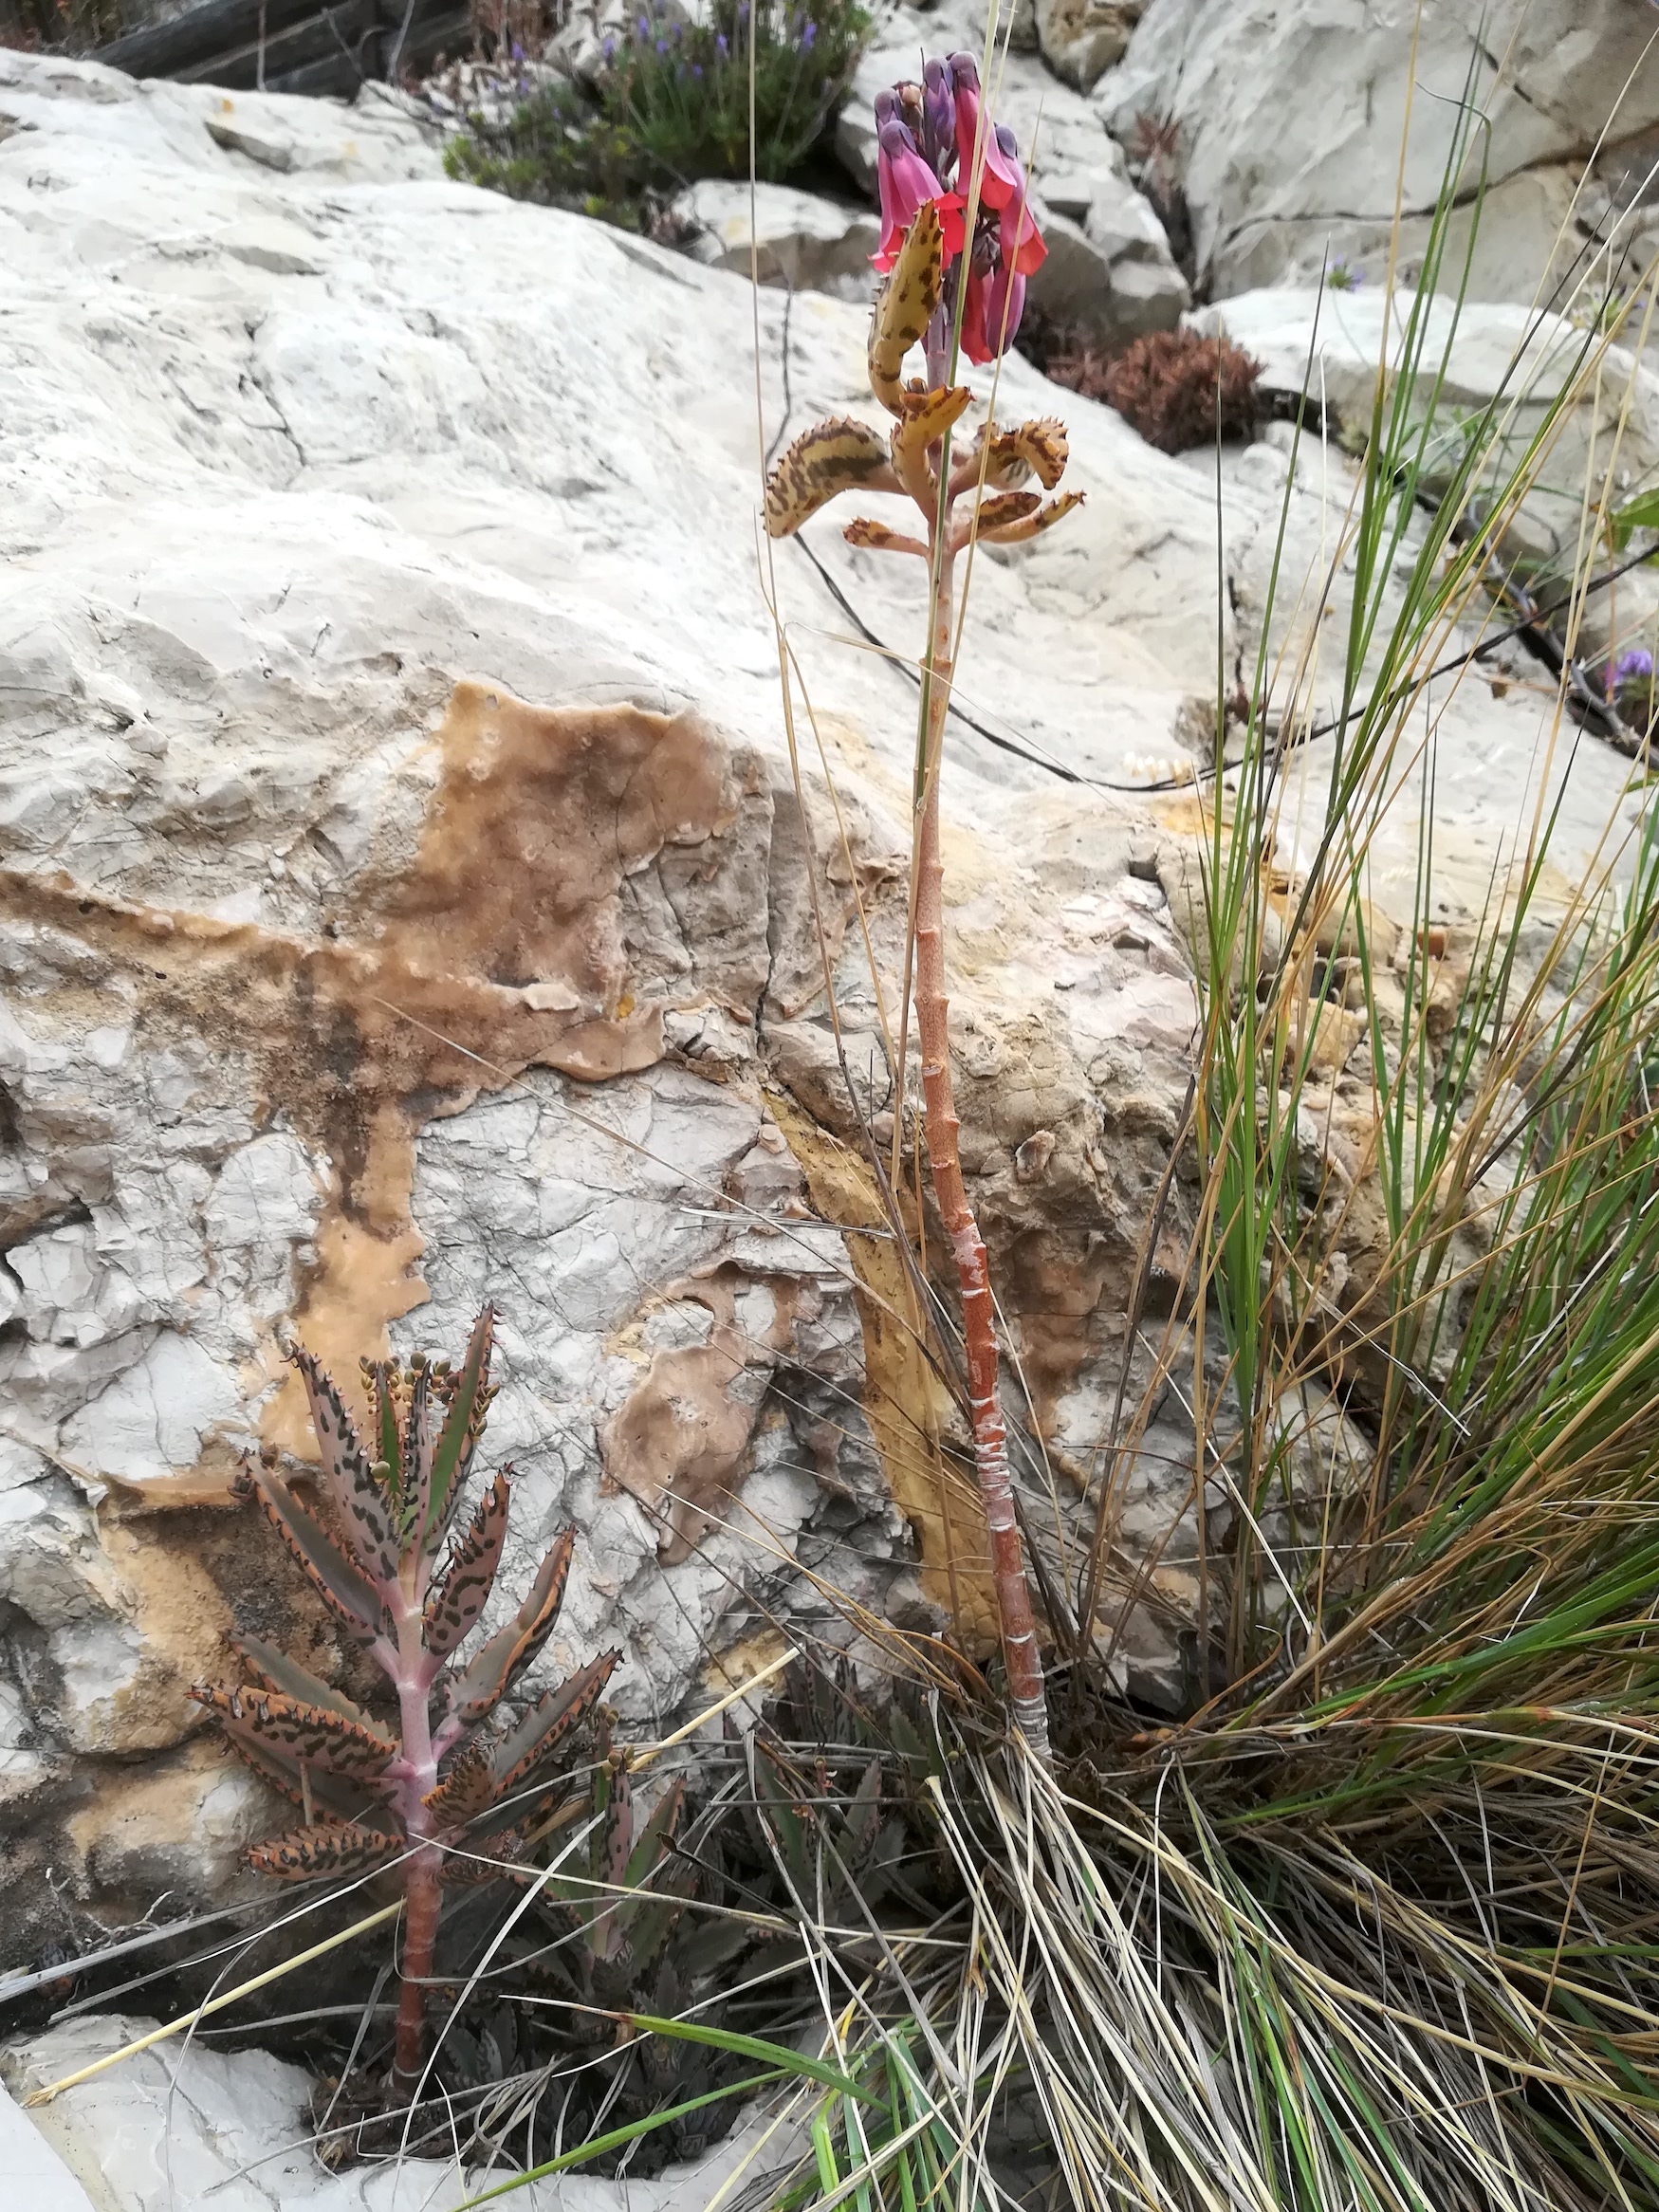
[(672, 105)]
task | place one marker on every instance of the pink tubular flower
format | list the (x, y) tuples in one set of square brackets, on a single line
[(903, 179), (1002, 184)]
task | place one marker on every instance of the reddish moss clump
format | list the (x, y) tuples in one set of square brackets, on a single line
[(1168, 386)]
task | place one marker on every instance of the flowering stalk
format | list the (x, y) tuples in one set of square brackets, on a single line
[(936, 276)]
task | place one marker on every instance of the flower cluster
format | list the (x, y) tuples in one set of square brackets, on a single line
[(936, 143), (1630, 686)]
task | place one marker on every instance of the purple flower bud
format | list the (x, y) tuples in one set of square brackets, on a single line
[(518, 52), (807, 37), (610, 49), (720, 45)]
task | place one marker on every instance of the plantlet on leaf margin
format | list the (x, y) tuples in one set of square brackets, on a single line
[(957, 277), (445, 1802)]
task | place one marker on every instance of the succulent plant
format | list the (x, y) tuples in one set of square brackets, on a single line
[(435, 1793)]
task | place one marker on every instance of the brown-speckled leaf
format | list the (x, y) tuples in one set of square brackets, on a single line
[(549, 1722), (838, 455), (1020, 528), (276, 1670), (906, 305), (926, 416), (877, 537), (462, 1591), (510, 1649), (1005, 507), (327, 1848), (301, 1732), (466, 1791), (363, 1507), (329, 1793), (468, 1395), (348, 1595), (1035, 449)]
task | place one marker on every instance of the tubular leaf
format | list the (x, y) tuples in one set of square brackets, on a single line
[(458, 1439), (353, 1600)]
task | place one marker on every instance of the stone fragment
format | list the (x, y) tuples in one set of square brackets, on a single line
[(804, 242)]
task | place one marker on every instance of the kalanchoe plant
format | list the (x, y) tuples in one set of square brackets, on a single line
[(436, 1794), (978, 495)]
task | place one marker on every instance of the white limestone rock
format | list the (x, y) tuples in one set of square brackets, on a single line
[(799, 240), (185, 2127), (1291, 120)]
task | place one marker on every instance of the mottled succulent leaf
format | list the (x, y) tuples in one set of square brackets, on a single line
[(838, 455), (363, 1506), (924, 418), (328, 1794), (417, 1449), (301, 1732), (466, 1791), (549, 1722), (462, 1590), (348, 1595), (276, 1670), (906, 304), (327, 1848), (1003, 508), (876, 538), (469, 1396), (1035, 449), (1020, 529), (476, 1693)]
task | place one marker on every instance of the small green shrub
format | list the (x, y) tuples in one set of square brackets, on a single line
[(673, 105)]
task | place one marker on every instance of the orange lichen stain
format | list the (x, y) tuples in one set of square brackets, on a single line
[(500, 948), (906, 1404)]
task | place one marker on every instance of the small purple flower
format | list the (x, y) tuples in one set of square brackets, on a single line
[(720, 45), (696, 68), (610, 49), (1633, 667), (808, 37), (1342, 276), (662, 45), (518, 52)]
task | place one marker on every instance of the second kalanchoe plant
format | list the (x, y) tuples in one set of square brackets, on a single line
[(957, 260), (434, 1794)]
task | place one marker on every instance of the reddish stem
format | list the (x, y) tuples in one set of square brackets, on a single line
[(421, 1891), (990, 1442)]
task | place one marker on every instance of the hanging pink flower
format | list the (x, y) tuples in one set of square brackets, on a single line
[(904, 180)]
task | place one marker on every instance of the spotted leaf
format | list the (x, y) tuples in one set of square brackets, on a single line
[(348, 1595), (362, 1505), (463, 1589), (327, 1794), (510, 1649), (996, 513), (301, 1732), (548, 1723), (838, 455), (1035, 449), (906, 305), (465, 1792), (274, 1670), (925, 419), (876, 538), (332, 1847), (1017, 531), (468, 1395)]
